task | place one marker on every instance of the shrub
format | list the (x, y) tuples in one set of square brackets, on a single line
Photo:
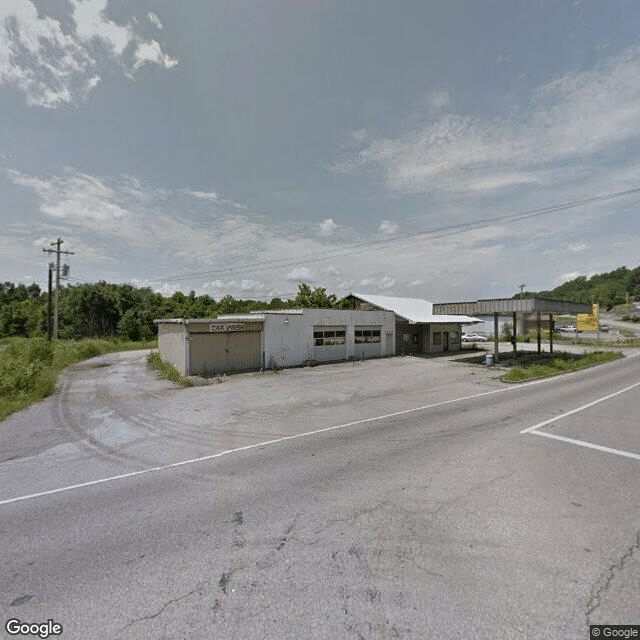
[(89, 350), (41, 349)]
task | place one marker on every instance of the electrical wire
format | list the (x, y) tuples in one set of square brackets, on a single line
[(440, 232)]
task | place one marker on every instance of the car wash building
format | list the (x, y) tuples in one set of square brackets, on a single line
[(275, 339), (417, 328)]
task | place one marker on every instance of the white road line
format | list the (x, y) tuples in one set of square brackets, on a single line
[(265, 443), (598, 447), (582, 408), (298, 435)]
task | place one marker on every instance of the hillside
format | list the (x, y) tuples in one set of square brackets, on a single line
[(607, 289)]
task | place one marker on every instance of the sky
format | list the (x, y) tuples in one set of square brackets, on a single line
[(442, 150)]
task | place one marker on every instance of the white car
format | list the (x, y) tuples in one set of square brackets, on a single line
[(473, 337)]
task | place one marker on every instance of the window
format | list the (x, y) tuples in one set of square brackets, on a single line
[(367, 336), (328, 337), (437, 339)]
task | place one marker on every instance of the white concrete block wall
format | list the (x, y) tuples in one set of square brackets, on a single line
[(289, 342)]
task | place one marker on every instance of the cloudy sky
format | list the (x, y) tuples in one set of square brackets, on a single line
[(445, 150)]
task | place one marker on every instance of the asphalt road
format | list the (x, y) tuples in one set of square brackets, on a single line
[(389, 499)]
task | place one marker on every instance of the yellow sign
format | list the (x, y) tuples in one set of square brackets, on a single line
[(594, 310), (587, 322)]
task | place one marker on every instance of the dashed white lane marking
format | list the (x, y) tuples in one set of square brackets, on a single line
[(534, 429)]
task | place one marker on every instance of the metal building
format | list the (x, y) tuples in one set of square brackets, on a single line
[(274, 339), (418, 329)]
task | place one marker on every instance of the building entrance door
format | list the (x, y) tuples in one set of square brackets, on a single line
[(445, 341)]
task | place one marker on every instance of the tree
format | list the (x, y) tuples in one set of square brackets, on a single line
[(90, 311), (313, 299)]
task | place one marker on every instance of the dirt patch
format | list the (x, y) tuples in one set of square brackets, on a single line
[(90, 365)]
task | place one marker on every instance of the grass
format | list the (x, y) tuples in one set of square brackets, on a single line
[(29, 367), (562, 363), (168, 370)]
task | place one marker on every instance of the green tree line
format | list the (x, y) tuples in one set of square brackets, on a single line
[(104, 310), (607, 289)]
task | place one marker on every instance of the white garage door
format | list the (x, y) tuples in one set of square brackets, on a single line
[(367, 342)]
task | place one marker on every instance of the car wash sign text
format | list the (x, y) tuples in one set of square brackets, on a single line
[(226, 327)]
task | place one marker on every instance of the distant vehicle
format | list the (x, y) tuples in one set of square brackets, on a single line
[(604, 327), (473, 337), (568, 327)]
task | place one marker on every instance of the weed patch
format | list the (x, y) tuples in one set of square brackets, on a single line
[(168, 370), (560, 364), (29, 366)]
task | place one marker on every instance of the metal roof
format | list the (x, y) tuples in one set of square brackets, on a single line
[(240, 317), (226, 318), (414, 310)]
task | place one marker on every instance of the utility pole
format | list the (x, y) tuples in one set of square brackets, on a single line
[(522, 286), (49, 327), (57, 251)]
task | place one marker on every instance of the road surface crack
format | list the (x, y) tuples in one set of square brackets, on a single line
[(164, 606), (606, 579)]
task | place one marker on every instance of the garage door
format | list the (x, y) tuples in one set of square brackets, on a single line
[(212, 353), (329, 344), (367, 342)]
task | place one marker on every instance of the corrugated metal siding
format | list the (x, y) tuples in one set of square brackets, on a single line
[(212, 353), (171, 345)]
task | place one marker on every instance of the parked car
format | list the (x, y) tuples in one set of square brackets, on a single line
[(568, 327), (604, 327), (473, 337)]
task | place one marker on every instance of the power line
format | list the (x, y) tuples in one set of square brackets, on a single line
[(440, 232)]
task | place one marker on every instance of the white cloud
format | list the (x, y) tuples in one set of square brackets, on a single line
[(216, 287), (388, 228), (150, 51), (122, 228), (75, 197), (211, 196), (155, 20), (300, 273), (583, 115), (328, 227), (251, 286), (331, 271), (54, 66), (438, 99), (235, 205), (381, 283), (565, 277), (167, 289), (359, 136), (386, 282)]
